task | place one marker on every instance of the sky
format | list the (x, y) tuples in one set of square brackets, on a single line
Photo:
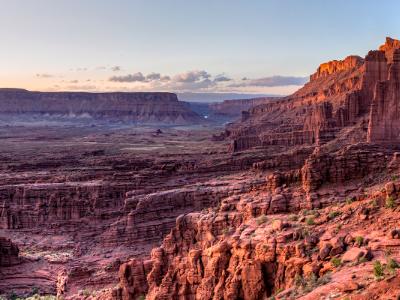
[(236, 46)]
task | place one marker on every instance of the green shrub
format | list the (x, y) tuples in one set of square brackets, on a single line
[(359, 241), (390, 203), (362, 260), (336, 262), (310, 283), (349, 201), (310, 221), (293, 218), (392, 265), (141, 297), (334, 214), (374, 203), (299, 280), (378, 269)]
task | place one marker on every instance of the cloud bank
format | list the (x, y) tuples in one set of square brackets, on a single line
[(201, 80)]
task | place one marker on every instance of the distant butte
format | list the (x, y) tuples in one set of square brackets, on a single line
[(142, 108)]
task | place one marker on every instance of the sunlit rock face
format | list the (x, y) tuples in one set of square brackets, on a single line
[(340, 94), (335, 66)]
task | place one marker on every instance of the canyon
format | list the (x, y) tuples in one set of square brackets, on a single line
[(297, 199)]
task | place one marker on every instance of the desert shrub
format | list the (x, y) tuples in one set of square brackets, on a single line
[(378, 269), (374, 203), (141, 297), (390, 203), (305, 232), (261, 219), (312, 282), (388, 252), (85, 293), (225, 231), (13, 296), (293, 218), (299, 280), (349, 201), (392, 265), (334, 214), (310, 221), (362, 260), (359, 240), (337, 229), (336, 262), (324, 279), (34, 291)]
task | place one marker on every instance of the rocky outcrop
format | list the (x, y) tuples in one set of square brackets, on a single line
[(336, 66), (351, 162), (389, 48), (152, 108)]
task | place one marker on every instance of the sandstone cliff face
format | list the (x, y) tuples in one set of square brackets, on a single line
[(338, 96), (127, 107), (384, 125)]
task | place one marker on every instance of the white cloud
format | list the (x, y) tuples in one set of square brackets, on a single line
[(136, 77)]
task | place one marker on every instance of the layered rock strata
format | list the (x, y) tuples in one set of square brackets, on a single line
[(153, 108)]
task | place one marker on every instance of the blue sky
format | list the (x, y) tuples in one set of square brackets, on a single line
[(177, 45)]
